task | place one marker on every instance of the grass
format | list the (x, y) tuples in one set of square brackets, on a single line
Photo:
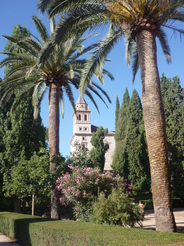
[(58, 233)]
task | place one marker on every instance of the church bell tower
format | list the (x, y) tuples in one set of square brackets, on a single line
[(81, 124), (81, 119)]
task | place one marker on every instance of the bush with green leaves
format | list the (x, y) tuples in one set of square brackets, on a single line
[(33, 230), (79, 157), (81, 187), (116, 209)]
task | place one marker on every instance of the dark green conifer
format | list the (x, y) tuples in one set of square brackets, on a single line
[(122, 117), (117, 111), (97, 154), (173, 99), (137, 158), (119, 158)]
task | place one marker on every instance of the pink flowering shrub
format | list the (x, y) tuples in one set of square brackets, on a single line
[(81, 187)]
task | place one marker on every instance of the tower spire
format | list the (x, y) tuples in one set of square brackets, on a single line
[(80, 99)]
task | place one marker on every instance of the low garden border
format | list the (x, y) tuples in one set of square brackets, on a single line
[(37, 231)]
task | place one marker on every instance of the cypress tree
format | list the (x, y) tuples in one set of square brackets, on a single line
[(117, 112), (131, 157), (138, 164), (97, 154), (173, 99), (119, 163), (122, 117)]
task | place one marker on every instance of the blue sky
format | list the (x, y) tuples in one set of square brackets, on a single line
[(20, 12)]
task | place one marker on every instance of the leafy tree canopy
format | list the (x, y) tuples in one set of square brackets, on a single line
[(80, 157)]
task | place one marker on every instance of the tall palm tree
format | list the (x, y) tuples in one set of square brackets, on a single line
[(142, 21), (58, 73)]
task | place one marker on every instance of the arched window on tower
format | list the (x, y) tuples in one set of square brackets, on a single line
[(79, 117), (85, 117)]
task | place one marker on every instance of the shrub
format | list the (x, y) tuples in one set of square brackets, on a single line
[(116, 209), (34, 230), (81, 187)]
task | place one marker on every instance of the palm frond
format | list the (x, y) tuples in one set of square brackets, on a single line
[(9, 59), (38, 93), (43, 5), (77, 21), (69, 46), (103, 91), (165, 45), (84, 51), (41, 28), (66, 28), (129, 43), (8, 87), (18, 69), (135, 62), (62, 102), (92, 99), (12, 39), (22, 93), (81, 40), (131, 54), (6, 95), (52, 25), (76, 82), (64, 6), (69, 94), (10, 82), (77, 64), (93, 89), (175, 30), (36, 46), (99, 71), (98, 58), (23, 42), (45, 53), (77, 45), (110, 75)]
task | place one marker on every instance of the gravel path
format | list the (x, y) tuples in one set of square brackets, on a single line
[(5, 241), (149, 219)]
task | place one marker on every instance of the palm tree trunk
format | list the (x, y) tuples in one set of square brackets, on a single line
[(155, 127), (54, 95)]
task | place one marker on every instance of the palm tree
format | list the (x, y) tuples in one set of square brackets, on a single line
[(59, 73), (142, 21)]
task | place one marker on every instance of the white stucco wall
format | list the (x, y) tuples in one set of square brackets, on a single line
[(109, 154)]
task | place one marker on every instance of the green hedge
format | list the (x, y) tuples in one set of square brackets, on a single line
[(37, 231)]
